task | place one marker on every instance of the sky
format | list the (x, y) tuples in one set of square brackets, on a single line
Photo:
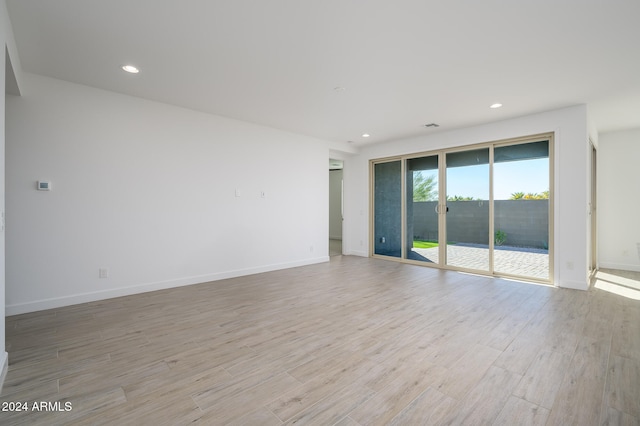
[(509, 177)]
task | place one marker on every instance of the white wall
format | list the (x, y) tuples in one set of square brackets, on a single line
[(618, 200), (149, 191), (571, 171), (3, 353)]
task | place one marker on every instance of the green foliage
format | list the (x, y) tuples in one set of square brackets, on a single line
[(424, 244), (500, 238), (424, 188), (544, 195), (459, 198)]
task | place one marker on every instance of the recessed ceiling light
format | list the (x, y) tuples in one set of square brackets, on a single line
[(365, 135), (494, 106), (131, 69)]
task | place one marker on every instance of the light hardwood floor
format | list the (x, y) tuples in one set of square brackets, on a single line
[(354, 341)]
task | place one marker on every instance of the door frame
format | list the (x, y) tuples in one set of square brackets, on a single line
[(593, 209)]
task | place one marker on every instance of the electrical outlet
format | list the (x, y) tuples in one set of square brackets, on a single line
[(103, 273)]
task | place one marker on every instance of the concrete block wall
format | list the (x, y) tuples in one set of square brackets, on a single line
[(526, 222)]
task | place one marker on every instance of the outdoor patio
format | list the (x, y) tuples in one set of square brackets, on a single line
[(521, 261)]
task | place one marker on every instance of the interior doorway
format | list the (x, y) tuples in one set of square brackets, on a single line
[(335, 206)]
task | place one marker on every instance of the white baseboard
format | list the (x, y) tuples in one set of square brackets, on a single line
[(43, 304), (621, 266), (575, 285), (356, 253), (4, 362)]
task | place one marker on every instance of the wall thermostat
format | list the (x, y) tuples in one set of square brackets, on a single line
[(44, 185)]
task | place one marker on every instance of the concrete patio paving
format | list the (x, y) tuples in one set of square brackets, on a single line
[(521, 261)]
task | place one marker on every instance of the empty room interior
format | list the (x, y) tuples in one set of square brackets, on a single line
[(333, 213)]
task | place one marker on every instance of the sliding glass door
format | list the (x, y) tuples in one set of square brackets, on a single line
[(467, 209), (387, 201), (485, 209), (422, 219), (521, 209)]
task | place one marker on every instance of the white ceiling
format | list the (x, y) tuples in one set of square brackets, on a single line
[(401, 64)]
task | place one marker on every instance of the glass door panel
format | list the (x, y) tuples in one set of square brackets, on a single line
[(421, 209), (467, 209), (387, 209), (521, 209)]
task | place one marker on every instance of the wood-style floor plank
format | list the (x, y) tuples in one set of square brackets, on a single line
[(352, 342), (519, 412), (583, 381), (542, 380), (623, 390), (430, 407), (476, 407)]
